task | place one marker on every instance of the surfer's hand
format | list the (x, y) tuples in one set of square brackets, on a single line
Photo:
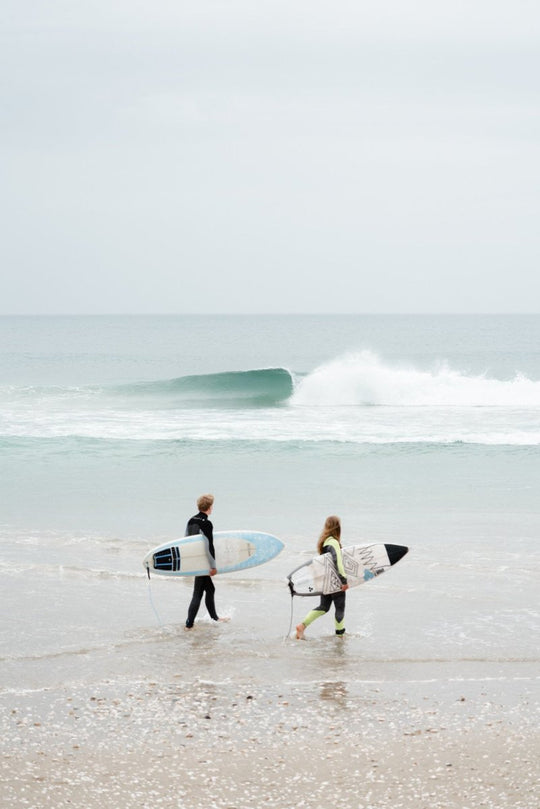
[(345, 587), (213, 571)]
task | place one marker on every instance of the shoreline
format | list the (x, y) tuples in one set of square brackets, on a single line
[(445, 743)]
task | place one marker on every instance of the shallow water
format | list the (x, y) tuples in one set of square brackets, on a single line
[(418, 431)]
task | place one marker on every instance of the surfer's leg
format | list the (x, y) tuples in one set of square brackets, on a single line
[(209, 599), (198, 591), (339, 604), (322, 609)]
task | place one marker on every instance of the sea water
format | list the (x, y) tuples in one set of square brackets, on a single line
[(415, 430)]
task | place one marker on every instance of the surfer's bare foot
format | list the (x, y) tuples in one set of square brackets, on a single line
[(300, 629), (187, 628), (223, 620)]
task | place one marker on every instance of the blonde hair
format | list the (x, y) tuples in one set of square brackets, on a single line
[(205, 502), (332, 528)]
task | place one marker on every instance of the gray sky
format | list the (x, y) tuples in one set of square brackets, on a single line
[(188, 156)]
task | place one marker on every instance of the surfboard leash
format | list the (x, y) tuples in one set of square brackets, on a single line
[(156, 613), (291, 588)]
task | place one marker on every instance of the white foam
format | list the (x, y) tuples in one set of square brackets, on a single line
[(363, 379)]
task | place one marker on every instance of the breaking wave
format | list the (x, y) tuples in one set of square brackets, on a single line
[(262, 387), (363, 379), (257, 387)]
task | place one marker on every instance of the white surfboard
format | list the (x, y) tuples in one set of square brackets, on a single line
[(361, 562), (235, 550)]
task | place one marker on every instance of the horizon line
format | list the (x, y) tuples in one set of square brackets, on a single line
[(270, 314)]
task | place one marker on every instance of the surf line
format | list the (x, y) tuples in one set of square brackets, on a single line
[(151, 599)]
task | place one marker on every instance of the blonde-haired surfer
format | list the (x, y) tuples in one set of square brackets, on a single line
[(203, 585)]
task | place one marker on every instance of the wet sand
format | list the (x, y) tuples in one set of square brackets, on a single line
[(433, 743)]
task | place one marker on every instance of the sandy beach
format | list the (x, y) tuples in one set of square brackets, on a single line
[(434, 741)]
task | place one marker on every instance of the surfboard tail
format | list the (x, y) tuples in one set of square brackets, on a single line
[(396, 552)]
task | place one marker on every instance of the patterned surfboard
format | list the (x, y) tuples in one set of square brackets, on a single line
[(361, 562)]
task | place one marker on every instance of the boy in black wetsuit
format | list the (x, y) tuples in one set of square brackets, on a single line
[(203, 585)]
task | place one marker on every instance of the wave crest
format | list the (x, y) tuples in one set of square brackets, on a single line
[(259, 387)]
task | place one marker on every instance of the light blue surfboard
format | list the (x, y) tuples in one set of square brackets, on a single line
[(235, 550)]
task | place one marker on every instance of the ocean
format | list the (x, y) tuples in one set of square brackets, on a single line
[(417, 430)]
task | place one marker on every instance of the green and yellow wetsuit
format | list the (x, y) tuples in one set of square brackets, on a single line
[(332, 546)]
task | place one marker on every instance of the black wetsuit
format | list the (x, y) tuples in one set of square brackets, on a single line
[(203, 585)]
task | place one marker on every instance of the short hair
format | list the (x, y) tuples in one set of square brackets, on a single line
[(205, 501)]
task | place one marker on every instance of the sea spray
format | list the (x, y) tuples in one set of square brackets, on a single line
[(364, 379)]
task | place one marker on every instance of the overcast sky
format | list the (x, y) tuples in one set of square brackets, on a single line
[(254, 156)]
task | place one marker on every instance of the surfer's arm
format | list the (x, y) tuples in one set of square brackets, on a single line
[(208, 533), (337, 557)]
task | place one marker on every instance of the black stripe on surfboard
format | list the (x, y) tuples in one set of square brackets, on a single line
[(396, 552)]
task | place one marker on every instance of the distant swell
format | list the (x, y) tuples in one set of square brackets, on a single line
[(363, 379), (259, 387)]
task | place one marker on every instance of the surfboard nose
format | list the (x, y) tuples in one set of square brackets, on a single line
[(396, 552)]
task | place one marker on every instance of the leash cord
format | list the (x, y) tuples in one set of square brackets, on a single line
[(156, 613)]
